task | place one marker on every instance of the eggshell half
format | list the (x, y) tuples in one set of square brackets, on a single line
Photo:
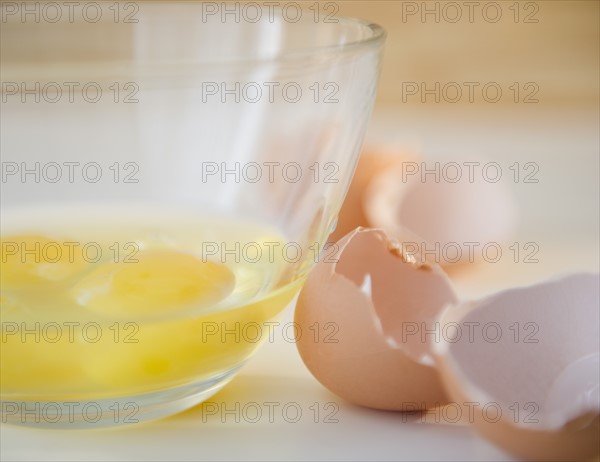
[(533, 360), (363, 293), (453, 218)]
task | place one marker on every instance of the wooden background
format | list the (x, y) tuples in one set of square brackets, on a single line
[(560, 52)]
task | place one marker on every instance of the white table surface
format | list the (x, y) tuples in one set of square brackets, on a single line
[(560, 213)]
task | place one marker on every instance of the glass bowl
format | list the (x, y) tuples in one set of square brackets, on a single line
[(170, 173)]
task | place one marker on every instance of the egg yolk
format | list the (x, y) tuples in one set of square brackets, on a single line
[(157, 281), (33, 260)]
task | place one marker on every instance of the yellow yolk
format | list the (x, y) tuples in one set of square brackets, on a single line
[(159, 280), (119, 323), (31, 260)]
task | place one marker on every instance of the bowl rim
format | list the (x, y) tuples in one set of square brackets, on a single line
[(375, 38)]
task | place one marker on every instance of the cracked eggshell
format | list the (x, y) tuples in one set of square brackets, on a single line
[(373, 160), (444, 212), (363, 293), (536, 368)]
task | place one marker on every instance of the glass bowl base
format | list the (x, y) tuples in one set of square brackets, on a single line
[(111, 412)]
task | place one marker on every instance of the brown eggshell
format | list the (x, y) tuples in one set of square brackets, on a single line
[(372, 161), (364, 291), (453, 218), (542, 371)]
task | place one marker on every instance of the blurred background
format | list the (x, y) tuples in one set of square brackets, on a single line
[(554, 43), (543, 56)]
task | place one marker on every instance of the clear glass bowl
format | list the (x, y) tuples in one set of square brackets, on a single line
[(170, 172)]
